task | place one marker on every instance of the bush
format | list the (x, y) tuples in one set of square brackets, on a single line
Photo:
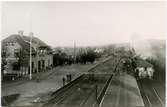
[(61, 58), (88, 56)]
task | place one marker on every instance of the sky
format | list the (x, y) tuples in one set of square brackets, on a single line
[(85, 23)]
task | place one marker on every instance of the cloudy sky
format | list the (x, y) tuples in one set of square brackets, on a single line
[(86, 23)]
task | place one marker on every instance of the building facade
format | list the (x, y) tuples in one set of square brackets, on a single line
[(16, 54)]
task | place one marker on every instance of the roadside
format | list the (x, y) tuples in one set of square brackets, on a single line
[(50, 81), (44, 75)]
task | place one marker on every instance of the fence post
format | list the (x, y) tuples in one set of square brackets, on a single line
[(96, 93)]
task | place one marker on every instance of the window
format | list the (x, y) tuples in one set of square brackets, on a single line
[(3, 53), (43, 63), (145, 68), (32, 65), (16, 66), (48, 62), (16, 52), (12, 43), (7, 43)]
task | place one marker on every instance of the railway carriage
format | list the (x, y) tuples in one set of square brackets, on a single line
[(144, 69)]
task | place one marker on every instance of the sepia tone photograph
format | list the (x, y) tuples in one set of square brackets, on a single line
[(83, 54)]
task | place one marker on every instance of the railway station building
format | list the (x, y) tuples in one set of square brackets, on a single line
[(16, 54)]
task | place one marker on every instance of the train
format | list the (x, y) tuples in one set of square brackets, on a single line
[(144, 73), (144, 69)]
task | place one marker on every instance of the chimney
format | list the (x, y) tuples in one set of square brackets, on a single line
[(20, 32)]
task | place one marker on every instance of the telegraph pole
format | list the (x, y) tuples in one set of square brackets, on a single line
[(74, 52), (37, 56), (31, 34), (30, 56)]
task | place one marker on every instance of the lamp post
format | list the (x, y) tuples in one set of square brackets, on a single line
[(31, 34), (37, 49), (74, 52)]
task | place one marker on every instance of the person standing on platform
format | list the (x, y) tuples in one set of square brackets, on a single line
[(64, 80), (70, 77)]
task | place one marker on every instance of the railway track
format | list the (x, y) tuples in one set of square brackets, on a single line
[(150, 95), (77, 94), (43, 77), (158, 96), (67, 95), (55, 99)]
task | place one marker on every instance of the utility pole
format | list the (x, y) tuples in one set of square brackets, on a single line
[(74, 52), (31, 34), (37, 49), (30, 55)]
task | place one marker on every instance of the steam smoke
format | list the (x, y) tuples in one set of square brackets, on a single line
[(142, 47)]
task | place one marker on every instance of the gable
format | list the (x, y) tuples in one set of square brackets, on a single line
[(19, 40)]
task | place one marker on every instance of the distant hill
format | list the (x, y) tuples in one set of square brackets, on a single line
[(146, 48), (108, 48)]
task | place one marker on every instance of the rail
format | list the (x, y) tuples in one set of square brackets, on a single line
[(62, 89), (104, 90), (99, 99), (147, 103), (68, 85), (91, 69)]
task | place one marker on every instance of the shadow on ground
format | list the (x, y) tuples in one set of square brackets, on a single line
[(7, 100)]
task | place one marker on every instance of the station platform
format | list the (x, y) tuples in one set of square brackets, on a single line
[(123, 91)]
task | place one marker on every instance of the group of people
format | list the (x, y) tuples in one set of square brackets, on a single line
[(67, 79)]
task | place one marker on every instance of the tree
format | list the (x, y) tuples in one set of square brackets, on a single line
[(4, 62), (88, 56), (4, 56), (61, 58)]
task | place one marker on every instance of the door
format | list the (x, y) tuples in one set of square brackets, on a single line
[(39, 66)]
